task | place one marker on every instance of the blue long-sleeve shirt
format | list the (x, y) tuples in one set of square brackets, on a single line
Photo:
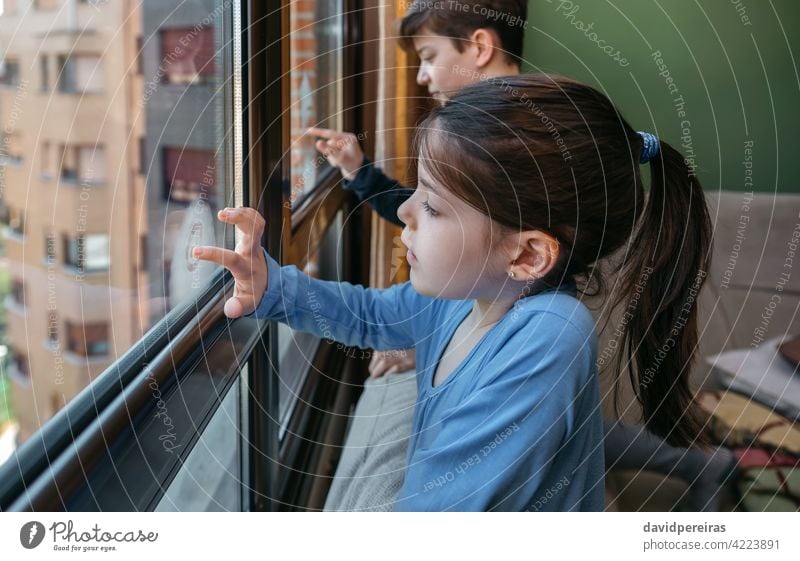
[(516, 426)]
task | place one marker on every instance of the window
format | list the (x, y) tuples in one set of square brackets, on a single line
[(316, 53), (11, 148), (19, 367), (87, 253), (186, 108), (49, 248), (44, 72), (189, 174), (139, 57), (145, 135), (52, 327), (18, 292), (46, 4), (188, 55), (9, 72), (45, 160), (16, 222), (87, 340), (83, 164), (81, 74)]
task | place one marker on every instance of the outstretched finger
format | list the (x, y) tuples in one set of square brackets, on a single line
[(323, 146), (248, 221), (225, 257), (329, 134)]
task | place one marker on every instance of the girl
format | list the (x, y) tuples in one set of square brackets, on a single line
[(525, 184)]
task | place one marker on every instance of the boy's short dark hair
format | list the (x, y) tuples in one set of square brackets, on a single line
[(458, 19)]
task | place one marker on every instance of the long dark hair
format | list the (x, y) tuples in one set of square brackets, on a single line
[(544, 152)]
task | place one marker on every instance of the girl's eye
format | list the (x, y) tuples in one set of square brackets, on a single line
[(429, 209)]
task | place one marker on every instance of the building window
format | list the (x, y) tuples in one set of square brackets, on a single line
[(45, 160), (52, 327), (140, 56), (187, 55), (90, 339), (18, 292), (189, 174), (10, 148), (83, 164), (142, 156), (19, 366), (87, 253), (143, 252), (9, 72), (80, 74), (44, 72), (46, 4), (50, 248), (16, 222)]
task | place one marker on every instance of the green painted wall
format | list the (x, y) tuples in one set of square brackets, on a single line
[(733, 63)]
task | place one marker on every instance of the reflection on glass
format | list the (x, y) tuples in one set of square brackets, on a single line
[(113, 159), (316, 88)]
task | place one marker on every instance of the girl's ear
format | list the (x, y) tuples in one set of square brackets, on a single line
[(535, 255), (485, 42)]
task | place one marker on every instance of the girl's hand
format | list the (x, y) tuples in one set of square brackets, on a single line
[(391, 362), (341, 149), (247, 263)]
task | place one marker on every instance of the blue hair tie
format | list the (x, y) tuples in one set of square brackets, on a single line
[(650, 148)]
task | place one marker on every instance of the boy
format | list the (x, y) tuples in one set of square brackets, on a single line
[(458, 43)]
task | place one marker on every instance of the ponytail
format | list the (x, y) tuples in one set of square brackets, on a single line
[(665, 270)]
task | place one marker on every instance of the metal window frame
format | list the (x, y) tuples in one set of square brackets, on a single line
[(294, 472)]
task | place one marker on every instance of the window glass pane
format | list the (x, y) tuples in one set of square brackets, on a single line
[(120, 134), (9, 72), (316, 86), (296, 349), (210, 478), (88, 73)]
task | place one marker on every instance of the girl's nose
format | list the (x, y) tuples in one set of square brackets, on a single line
[(404, 212)]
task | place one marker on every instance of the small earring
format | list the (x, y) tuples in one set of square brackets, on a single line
[(511, 274)]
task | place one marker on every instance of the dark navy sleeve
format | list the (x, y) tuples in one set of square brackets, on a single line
[(383, 193)]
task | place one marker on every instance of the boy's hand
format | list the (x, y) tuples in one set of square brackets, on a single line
[(391, 362), (341, 149), (247, 263)]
